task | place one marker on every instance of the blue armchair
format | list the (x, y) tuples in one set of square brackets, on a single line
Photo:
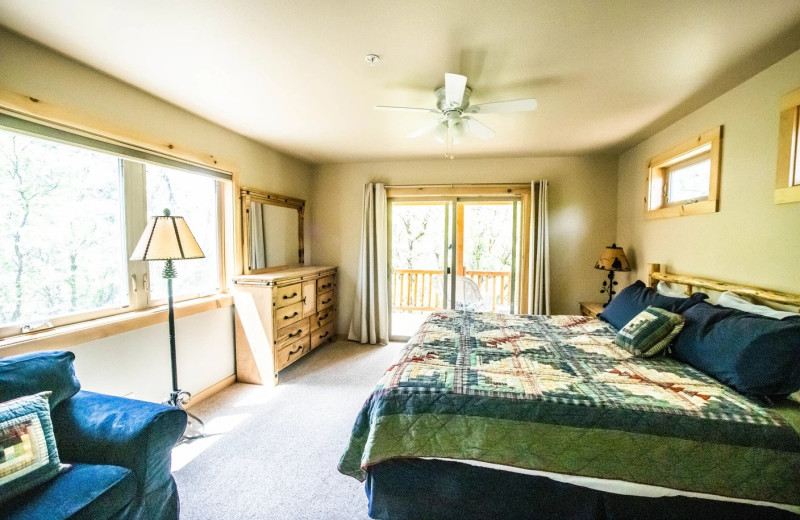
[(119, 448)]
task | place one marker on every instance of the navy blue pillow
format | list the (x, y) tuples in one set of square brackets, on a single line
[(30, 374), (637, 297), (756, 355)]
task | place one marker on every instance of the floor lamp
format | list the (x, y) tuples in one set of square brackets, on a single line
[(169, 238)]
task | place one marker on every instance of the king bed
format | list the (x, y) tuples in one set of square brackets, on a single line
[(516, 416)]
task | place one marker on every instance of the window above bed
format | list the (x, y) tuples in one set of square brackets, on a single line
[(787, 184), (685, 179)]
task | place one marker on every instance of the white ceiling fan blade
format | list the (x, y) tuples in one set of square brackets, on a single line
[(503, 107), (478, 128), (425, 129), (454, 85), (406, 109)]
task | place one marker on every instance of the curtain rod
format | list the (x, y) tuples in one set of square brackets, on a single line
[(481, 185)]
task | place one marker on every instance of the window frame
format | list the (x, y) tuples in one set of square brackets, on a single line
[(708, 144), (787, 179), (701, 157), (133, 219)]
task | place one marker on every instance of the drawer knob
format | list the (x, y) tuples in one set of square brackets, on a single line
[(323, 335), (290, 317), (325, 286), (295, 351), (289, 297), (327, 301), (299, 331), (322, 317)]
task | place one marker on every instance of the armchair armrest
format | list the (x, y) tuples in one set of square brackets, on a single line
[(103, 429)]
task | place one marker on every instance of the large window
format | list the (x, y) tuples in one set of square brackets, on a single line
[(684, 180), (62, 247), (69, 219)]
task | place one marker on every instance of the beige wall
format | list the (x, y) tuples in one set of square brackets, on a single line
[(750, 240), (582, 212), (138, 362)]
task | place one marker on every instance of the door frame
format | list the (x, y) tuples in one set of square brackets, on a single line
[(451, 193)]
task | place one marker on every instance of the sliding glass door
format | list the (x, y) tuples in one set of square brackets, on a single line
[(419, 260), (452, 253)]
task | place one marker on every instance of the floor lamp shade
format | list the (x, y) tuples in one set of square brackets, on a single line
[(167, 238)]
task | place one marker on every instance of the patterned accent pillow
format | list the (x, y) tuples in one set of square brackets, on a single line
[(28, 454), (649, 332)]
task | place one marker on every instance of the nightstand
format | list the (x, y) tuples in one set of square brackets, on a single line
[(591, 309)]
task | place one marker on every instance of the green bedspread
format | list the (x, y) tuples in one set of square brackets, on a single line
[(553, 393)]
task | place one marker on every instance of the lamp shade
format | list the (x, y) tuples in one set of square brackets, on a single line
[(613, 259), (167, 238)]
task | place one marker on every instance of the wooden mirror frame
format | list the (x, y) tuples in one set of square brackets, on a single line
[(250, 195)]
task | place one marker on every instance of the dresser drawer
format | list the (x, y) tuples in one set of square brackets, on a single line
[(324, 300), (291, 352), (323, 318), (322, 334), (287, 295), (292, 332), (326, 284), (288, 315)]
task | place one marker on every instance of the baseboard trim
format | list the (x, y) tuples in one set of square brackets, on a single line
[(201, 396)]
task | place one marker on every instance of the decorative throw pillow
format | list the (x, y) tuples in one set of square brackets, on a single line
[(28, 454), (649, 332)]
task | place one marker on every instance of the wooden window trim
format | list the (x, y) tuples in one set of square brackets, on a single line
[(787, 180), (67, 336), (657, 170)]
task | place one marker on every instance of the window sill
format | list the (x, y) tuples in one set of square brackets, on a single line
[(787, 195), (684, 210), (76, 333)]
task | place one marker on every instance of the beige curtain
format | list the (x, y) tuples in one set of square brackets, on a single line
[(370, 322), (539, 288)]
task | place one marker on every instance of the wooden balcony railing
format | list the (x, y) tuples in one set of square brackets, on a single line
[(421, 290)]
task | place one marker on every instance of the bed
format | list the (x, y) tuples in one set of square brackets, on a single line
[(517, 416)]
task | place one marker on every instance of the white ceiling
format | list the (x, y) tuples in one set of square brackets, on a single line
[(291, 73)]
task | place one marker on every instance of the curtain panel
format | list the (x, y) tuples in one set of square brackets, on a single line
[(539, 288), (370, 321)]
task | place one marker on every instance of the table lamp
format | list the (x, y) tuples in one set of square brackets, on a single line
[(169, 238), (613, 259)]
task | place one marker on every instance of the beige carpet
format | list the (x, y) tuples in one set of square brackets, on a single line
[(272, 452)]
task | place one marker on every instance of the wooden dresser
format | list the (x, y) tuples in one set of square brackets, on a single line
[(296, 307)]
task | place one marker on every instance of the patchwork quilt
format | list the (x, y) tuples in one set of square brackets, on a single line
[(554, 393)]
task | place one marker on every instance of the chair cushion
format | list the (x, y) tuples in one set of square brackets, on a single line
[(87, 491), (30, 374), (637, 297), (28, 454)]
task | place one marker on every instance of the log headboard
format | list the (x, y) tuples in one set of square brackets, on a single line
[(656, 274)]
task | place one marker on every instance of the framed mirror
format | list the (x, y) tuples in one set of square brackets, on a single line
[(272, 231)]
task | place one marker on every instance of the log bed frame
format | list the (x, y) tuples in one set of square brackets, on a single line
[(692, 283)]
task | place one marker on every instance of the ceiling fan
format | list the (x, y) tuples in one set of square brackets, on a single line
[(454, 113)]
